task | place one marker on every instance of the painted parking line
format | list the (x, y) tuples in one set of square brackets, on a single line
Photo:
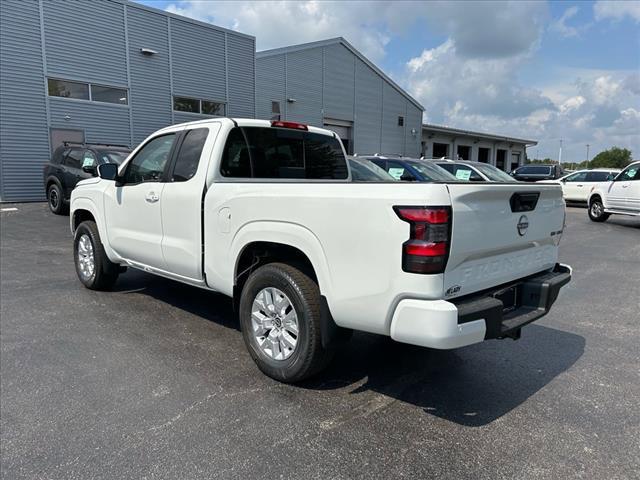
[(10, 209)]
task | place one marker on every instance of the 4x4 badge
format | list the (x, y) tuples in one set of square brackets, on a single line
[(523, 224)]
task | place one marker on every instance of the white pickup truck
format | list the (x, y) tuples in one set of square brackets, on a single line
[(266, 213)]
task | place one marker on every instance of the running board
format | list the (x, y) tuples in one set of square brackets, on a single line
[(623, 212)]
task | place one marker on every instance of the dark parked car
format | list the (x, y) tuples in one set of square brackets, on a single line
[(412, 170), (71, 163), (363, 170), (533, 173), (469, 171)]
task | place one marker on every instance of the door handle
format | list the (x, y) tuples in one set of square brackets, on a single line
[(579, 185), (152, 197), (625, 185)]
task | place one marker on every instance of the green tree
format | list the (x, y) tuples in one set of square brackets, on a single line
[(613, 158)]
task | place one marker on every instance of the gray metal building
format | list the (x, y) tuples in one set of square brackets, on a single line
[(330, 83), (107, 71), (506, 153)]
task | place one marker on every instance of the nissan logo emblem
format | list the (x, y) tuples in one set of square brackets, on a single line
[(522, 226)]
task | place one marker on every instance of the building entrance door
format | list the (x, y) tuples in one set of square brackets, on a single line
[(61, 135), (343, 129)]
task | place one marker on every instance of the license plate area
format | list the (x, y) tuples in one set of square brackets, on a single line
[(510, 298)]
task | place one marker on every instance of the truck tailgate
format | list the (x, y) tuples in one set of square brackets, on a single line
[(500, 233)]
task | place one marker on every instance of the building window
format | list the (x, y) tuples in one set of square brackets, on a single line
[(67, 89), (100, 93), (464, 152), (194, 105), (181, 104), (440, 150), (86, 91), (483, 155), (275, 110), (401, 121), (212, 108)]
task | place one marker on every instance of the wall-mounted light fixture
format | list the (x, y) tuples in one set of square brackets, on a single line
[(414, 132), (291, 100), (147, 51)]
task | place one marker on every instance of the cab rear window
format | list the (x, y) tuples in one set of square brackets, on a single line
[(280, 153)]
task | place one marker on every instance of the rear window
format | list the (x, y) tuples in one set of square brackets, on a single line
[(433, 172), (537, 170), (256, 152), (494, 173)]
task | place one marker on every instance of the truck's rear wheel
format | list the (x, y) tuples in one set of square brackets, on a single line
[(93, 267), (280, 321), (596, 210)]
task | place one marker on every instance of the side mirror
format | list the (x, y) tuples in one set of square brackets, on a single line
[(90, 169), (407, 177), (108, 171)]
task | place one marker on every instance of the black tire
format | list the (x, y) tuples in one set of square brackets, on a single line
[(55, 199), (105, 272), (308, 357), (596, 210)]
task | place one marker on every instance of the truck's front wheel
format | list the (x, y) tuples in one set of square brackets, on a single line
[(93, 267), (280, 321)]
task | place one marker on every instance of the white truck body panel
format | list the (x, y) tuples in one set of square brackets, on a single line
[(348, 231)]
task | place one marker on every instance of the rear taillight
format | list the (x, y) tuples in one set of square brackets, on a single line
[(427, 249)]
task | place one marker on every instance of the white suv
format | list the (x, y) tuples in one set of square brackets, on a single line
[(620, 196)]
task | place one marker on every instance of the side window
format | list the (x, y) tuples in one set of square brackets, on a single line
[(395, 169), (597, 176), (149, 163), (235, 157), (464, 173), (189, 154), (89, 159), (630, 173), (577, 177), (73, 158)]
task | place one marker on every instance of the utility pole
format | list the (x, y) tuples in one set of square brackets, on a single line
[(560, 154), (587, 155)]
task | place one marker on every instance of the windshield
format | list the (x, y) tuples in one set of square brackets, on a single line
[(493, 173), (538, 170), (365, 171), (111, 156), (432, 172)]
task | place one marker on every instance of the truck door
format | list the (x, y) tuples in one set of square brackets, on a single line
[(133, 206), (182, 202), (621, 192)]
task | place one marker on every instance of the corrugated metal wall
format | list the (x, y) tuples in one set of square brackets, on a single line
[(304, 84), (241, 74), (99, 42), (270, 85), (197, 58), (339, 82), (149, 76), (24, 142), (86, 41), (331, 82), (368, 125)]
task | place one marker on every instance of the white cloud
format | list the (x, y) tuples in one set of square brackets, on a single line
[(560, 26), (616, 10), (280, 23)]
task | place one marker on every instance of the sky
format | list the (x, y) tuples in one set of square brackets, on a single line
[(546, 71)]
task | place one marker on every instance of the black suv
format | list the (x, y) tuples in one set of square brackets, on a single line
[(72, 162), (533, 172)]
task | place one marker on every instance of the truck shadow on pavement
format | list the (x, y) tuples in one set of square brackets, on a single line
[(472, 386)]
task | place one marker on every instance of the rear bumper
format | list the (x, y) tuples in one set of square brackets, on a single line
[(496, 313)]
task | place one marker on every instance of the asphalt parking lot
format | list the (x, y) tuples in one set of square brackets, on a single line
[(152, 380)]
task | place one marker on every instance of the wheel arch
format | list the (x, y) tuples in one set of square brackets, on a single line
[(285, 242)]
